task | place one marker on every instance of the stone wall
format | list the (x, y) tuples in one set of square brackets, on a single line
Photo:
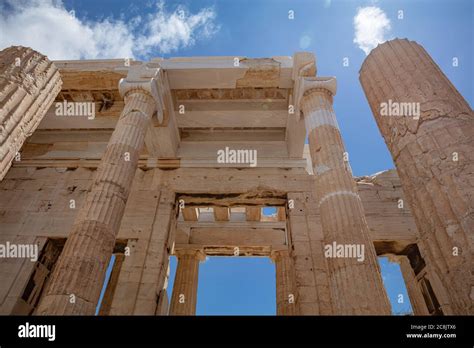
[(41, 203)]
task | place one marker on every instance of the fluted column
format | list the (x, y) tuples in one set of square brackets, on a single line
[(433, 151), (29, 83), (184, 298), (285, 283), (356, 281), (79, 274), (417, 301)]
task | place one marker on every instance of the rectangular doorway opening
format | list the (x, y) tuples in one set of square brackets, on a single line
[(233, 285), (395, 287)]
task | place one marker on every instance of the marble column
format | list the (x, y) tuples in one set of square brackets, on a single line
[(285, 283), (79, 274), (429, 129), (184, 297), (355, 276), (29, 83)]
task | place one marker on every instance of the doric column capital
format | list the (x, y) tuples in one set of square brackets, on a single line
[(197, 254), (145, 78)]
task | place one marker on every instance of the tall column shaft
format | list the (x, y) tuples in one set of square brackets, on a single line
[(29, 83), (356, 281), (433, 151), (184, 298), (79, 274), (285, 283)]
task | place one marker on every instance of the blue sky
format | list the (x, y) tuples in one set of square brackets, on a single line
[(262, 29), (253, 28), (246, 286)]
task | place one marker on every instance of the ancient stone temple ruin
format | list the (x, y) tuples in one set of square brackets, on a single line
[(178, 156)]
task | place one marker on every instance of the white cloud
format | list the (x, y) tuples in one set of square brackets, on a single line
[(46, 26), (305, 42), (371, 26), (170, 31)]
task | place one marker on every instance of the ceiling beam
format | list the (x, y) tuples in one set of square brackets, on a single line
[(190, 214), (254, 135), (221, 214), (253, 213), (232, 119), (237, 237)]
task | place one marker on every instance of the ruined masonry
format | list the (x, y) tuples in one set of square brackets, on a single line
[(135, 161), (435, 161)]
